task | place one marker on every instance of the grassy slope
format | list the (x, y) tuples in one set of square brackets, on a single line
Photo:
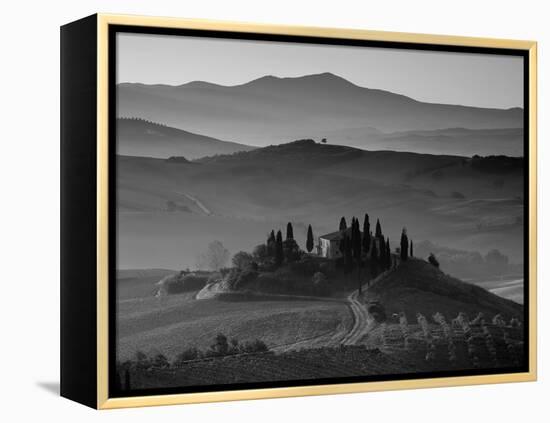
[(416, 286), (148, 139), (177, 322)]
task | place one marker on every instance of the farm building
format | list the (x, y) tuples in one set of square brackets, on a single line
[(329, 244)]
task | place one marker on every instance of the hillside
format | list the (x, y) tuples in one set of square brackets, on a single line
[(270, 109), (170, 211), (440, 174), (418, 287), (138, 137)]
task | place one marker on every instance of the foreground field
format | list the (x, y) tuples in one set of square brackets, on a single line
[(384, 351), (169, 325), (411, 319)]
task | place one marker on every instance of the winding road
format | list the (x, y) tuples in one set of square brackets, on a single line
[(362, 324), (197, 202)]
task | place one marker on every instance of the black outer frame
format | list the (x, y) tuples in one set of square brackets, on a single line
[(79, 114), (79, 211)]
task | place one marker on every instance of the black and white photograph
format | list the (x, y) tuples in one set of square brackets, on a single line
[(294, 212)]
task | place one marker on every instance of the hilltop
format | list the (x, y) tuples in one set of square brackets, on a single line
[(139, 137), (437, 175), (416, 286)]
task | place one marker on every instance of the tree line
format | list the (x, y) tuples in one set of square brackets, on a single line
[(356, 246)]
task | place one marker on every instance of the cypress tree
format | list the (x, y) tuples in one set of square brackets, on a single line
[(279, 253), (356, 239), (378, 233), (343, 225), (388, 254), (404, 245), (289, 231), (271, 244), (411, 252), (374, 257), (348, 255), (309, 240), (366, 234), (382, 254)]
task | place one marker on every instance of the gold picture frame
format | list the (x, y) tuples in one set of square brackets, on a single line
[(102, 398)]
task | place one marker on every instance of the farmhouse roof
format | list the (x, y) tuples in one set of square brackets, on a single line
[(335, 236)]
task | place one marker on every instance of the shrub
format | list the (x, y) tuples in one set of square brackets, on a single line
[(160, 362), (142, 362), (242, 260), (238, 279), (234, 347), (254, 346), (433, 261), (184, 282), (187, 355), (260, 252), (219, 347)]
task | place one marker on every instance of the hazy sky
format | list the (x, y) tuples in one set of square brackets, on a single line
[(452, 78)]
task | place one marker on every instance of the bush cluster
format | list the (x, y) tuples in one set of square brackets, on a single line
[(185, 282), (221, 347)]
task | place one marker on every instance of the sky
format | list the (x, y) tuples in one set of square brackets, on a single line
[(480, 80)]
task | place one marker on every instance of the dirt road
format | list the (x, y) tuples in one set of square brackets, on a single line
[(344, 335)]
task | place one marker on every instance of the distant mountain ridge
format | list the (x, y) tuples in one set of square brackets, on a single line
[(272, 110)]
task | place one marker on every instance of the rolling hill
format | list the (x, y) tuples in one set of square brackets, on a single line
[(454, 141), (138, 137), (270, 109), (416, 286), (239, 198)]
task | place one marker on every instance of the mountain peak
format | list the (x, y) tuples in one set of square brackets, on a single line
[(312, 79)]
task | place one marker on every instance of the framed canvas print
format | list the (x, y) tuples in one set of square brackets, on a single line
[(255, 211)]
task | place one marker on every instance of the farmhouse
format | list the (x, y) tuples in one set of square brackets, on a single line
[(329, 244)]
